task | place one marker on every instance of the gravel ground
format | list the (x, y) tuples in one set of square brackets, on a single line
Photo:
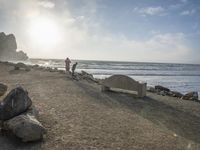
[(79, 116)]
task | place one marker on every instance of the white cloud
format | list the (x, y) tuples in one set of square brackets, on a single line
[(85, 38), (151, 11), (46, 4), (188, 12)]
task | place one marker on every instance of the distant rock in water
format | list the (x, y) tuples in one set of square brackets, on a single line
[(8, 47)]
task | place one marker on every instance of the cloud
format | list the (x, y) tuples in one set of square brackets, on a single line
[(188, 12), (169, 47), (46, 4), (160, 11), (83, 37), (184, 1)]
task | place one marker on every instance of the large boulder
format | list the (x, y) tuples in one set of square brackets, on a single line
[(3, 89), (15, 103), (8, 47), (26, 126), (161, 88), (21, 66), (191, 96)]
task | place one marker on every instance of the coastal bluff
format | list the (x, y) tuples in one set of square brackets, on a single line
[(8, 48)]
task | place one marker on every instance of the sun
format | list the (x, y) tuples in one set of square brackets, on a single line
[(44, 32)]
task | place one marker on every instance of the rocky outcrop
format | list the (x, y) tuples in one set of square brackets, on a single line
[(15, 103), (26, 126), (3, 89), (8, 47), (191, 96), (160, 90), (177, 94), (21, 66)]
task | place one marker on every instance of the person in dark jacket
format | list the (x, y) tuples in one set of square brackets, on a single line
[(74, 68)]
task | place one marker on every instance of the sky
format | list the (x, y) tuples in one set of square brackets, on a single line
[(119, 30)]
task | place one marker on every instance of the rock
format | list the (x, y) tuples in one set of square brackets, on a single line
[(169, 93), (61, 71), (87, 76), (3, 89), (21, 66), (151, 89), (161, 88), (35, 66), (177, 94), (26, 126), (161, 93), (7, 42), (8, 47), (191, 96), (15, 103), (32, 111)]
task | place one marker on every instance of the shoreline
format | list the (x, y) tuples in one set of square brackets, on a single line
[(98, 80)]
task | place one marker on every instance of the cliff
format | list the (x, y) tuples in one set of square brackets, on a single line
[(8, 47)]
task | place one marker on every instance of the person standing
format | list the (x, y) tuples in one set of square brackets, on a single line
[(67, 64), (74, 68)]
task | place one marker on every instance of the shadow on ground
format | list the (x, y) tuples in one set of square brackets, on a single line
[(9, 142), (182, 123)]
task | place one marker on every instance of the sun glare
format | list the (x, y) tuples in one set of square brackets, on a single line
[(44, 32)]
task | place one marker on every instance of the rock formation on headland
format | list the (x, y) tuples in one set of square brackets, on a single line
[(8, 47)]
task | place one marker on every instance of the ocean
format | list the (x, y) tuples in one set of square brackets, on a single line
[(179, 77)]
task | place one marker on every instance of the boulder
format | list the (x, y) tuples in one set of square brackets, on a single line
[(32, 111), (191, 96), (151, 89), (177, 94), (15, 103), (163, 93), (21, 66), (26, 126), (3, 89), (61, 71), (35, 66), (87, 76), (161, 88), (8, 47)]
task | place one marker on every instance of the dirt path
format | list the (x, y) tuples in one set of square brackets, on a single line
[(78, 116)]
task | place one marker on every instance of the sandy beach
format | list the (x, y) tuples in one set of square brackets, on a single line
[(77, 115)]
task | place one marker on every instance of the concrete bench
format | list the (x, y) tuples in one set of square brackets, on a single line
[(125, 83)]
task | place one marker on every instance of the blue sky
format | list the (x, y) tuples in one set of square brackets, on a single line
[(122, 30)]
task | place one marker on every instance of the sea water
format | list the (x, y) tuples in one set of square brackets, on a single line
[(179, 77)]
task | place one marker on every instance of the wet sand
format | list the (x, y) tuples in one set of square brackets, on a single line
[(77, 115)]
